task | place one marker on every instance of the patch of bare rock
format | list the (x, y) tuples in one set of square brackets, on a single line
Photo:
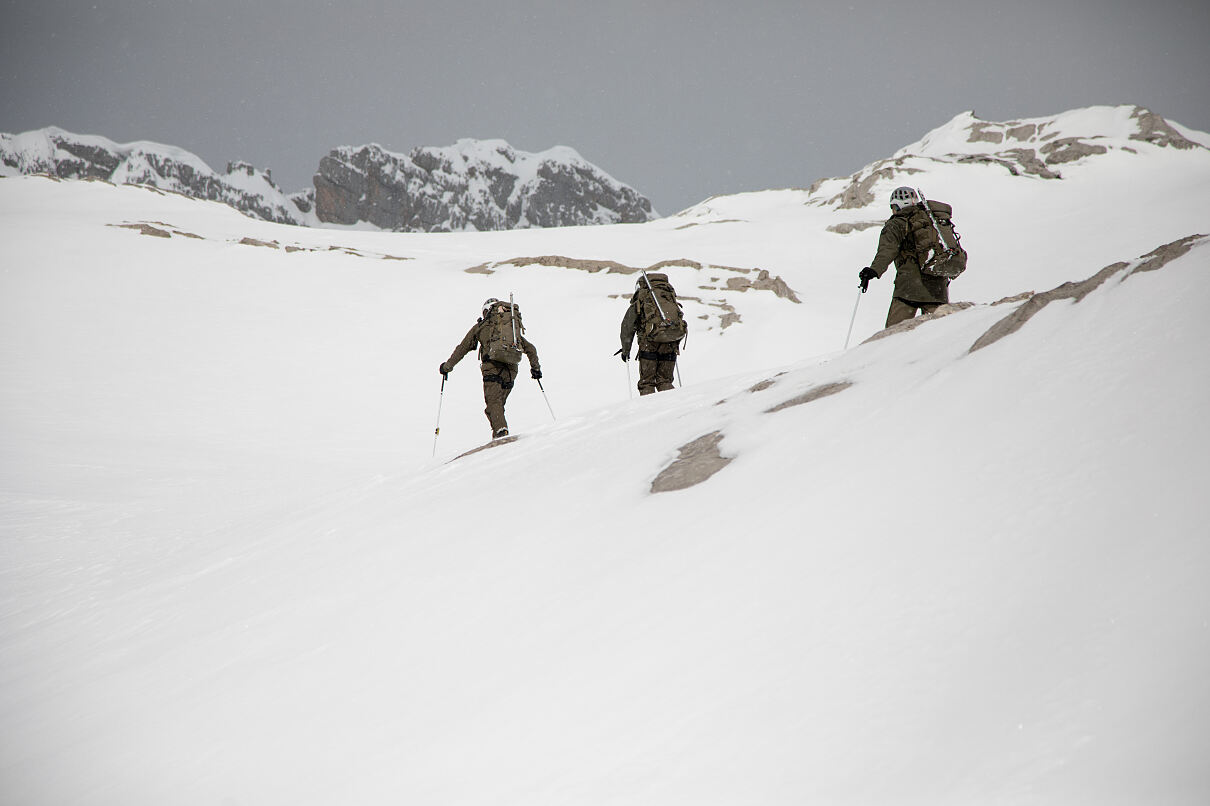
[(698, 461)]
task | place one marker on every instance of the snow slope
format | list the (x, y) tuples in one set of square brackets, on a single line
[(231, 572)]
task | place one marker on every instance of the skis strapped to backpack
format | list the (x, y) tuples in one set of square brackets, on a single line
[(504, 329), (662, 319), (938, 246)]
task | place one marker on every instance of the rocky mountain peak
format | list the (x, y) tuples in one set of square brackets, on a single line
[(1036, 147), (66, 155), (471, 185)]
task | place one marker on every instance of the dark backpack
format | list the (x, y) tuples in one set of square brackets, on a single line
[(660, 317), (501, 336), (936, 244)]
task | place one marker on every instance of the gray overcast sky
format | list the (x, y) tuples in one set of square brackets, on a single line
[(682, 100)]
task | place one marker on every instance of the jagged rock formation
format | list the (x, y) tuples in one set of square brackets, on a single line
[(473, 185), (75, 156), (1038, 147)]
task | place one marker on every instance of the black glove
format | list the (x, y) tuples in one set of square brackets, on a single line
[(624, 352), (536, 374), (444, 370), (865, 275)]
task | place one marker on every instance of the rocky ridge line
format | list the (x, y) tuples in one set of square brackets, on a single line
[(473, 185), (1032, 149)]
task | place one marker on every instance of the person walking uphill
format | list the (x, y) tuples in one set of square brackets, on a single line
[(919, 237), (655, 317), (498, 335)]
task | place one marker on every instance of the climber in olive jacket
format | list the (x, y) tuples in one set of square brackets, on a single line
[(657, 360), (498, 376), (913, 289)]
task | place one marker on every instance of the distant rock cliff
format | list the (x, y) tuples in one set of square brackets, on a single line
[(472, 185), (79, 156)]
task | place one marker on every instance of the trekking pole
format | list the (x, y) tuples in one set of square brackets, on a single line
[(860, 291), (629, 383), (437, 430), (547, 399)]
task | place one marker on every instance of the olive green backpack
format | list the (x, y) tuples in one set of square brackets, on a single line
[(502, 335), (661, 318), (938, 246)]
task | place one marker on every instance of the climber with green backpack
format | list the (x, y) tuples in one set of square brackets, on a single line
[(655, 316), (499, 335), (920, 238)]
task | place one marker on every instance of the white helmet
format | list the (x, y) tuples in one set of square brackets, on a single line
[(903, 197), (488, 303)]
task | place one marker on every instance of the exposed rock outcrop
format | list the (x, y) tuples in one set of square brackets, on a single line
[(724, 310), (697, 461), (1152, 261), (846, 227), (74, 156), (812, 394), (159, 229), (764, 280), (917, 321), (473, 185), (1038, 148)]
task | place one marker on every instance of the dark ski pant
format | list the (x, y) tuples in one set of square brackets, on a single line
[(903, 310), (657, 366), (498, 380)]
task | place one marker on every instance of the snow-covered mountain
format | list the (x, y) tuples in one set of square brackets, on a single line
[(66, 155), (1034, 147), (472, 185), (963, 561)]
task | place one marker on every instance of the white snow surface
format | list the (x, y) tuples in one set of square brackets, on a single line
[(231, 571)]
